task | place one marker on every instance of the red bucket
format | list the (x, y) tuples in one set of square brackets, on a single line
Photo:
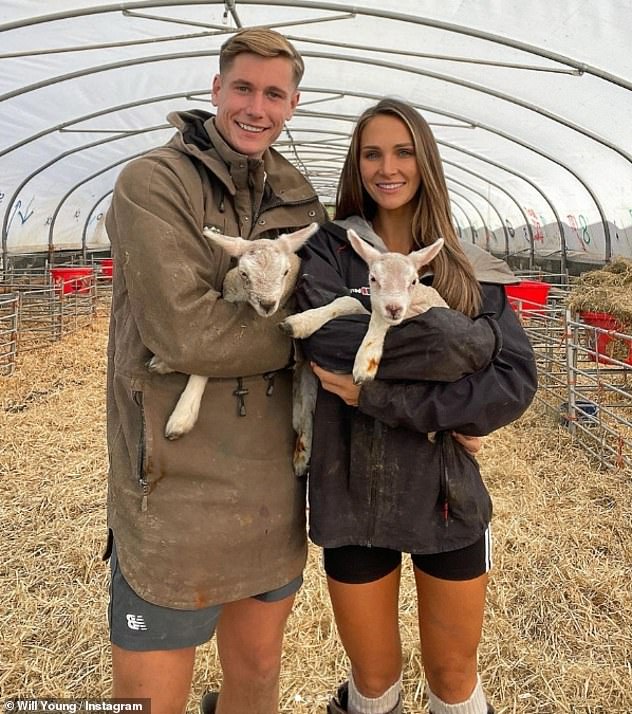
[(601, 344), (72, 279), (107, 267), (528, 296)]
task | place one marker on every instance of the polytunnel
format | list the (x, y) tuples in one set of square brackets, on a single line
[(530, 103)]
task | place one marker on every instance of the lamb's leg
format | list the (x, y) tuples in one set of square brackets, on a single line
[(185, 414), (369, 353), (304, 324), (305, 388)]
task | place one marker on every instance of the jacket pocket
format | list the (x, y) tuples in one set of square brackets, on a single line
[(462, 496), (128, 444)]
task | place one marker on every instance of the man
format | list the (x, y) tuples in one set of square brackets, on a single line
[(207, 532)]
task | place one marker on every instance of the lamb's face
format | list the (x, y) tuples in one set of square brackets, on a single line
[(263, 270), (392, 280)]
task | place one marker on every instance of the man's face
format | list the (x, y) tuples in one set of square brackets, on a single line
[(254, 98)]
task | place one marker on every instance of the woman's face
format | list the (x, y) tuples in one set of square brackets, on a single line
[(388, 165)]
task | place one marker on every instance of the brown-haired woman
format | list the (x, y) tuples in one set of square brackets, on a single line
[(378, 487)]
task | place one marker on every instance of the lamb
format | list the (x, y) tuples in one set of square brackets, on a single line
[(396, 294), (265, 271), (268, 269)]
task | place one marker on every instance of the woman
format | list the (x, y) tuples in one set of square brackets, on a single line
[(378, 485)]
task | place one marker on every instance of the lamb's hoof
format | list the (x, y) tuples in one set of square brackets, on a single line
[(157, 366), (286, 327), (300, 460), (365, 368), (361, 376), (294, 327), (301, 465), (177, 427)]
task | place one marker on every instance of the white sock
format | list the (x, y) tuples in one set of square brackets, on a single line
[(476, 704), (359, 704)]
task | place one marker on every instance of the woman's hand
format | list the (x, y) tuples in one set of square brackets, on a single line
[(472, 444), (340, 384), (344, 387)]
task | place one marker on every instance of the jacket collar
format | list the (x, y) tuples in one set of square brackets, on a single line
[(198, 137), (364, 229)]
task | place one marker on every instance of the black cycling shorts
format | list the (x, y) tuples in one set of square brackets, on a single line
[(356, 564)]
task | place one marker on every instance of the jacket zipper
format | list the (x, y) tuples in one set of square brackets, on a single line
[(444, 490), (376, 464), (140, 464)]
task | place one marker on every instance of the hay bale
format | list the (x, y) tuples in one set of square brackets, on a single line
[(606, 290)]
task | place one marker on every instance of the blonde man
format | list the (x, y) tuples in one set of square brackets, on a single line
[(206, 533)]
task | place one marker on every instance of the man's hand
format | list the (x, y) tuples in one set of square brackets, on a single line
[(340, 384)]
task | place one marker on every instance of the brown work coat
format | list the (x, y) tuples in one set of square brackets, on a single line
[(216, 515)]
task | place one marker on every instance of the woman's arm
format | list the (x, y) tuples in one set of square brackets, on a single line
[(475, 405), (343, 386), (440, 345)]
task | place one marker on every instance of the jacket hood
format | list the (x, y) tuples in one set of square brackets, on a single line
[(198, 136), (487, 268), (364, 229)]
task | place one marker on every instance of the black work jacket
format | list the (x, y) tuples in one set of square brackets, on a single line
[(375, 477)]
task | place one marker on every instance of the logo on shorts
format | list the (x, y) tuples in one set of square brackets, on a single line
[(136, 622)]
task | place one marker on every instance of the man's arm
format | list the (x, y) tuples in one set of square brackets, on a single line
[(173, 277)]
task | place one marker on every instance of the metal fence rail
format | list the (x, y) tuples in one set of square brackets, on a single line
[(585, 375), (39, 320), (8, 333), (48, 304), (585, 371)]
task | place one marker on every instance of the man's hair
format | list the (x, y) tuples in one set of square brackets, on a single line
[(263, 42)]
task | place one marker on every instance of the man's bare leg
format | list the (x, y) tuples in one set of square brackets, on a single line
[(249, 640), (164, 676)]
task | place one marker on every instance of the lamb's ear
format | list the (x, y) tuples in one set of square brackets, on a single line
[(366, 251), (425, 255), (234, 246), (293, 242)]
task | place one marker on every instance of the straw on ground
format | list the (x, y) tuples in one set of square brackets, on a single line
[(558, 628)]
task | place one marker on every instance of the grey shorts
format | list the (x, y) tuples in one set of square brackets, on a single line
[(136, 624)]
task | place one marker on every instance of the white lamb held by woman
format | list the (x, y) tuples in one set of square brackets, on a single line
[(396, 294), (265, 271)]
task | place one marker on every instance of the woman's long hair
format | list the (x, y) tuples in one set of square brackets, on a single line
[(453, 273)]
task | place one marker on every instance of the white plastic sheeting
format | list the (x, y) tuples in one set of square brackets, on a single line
[(530, 102)]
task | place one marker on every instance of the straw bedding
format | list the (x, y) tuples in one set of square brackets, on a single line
[(558, 633)]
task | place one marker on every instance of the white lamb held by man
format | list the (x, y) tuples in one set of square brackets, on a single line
[(266, 270), (396, 294)]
